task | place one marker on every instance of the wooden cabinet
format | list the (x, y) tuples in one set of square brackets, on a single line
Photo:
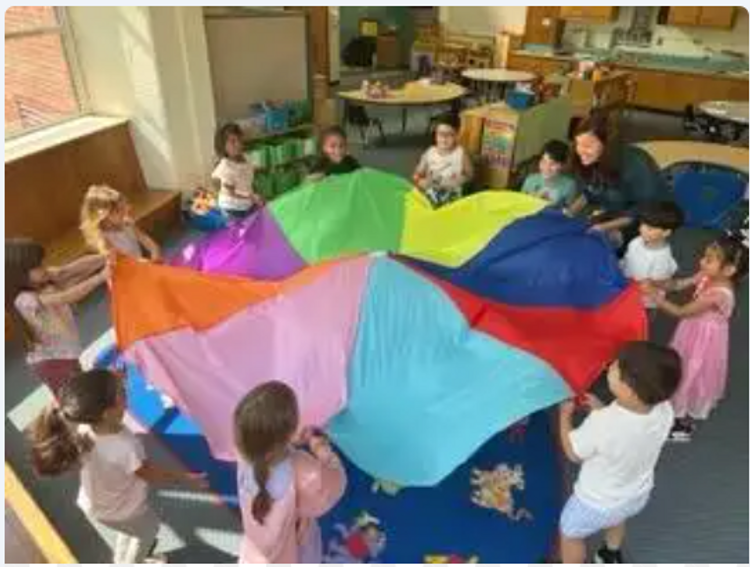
[(589, 13), (667, 91), (543, 25), (709, 16), (717, 16), (671, 91), (684, 15), (389, 54), (538, 65)]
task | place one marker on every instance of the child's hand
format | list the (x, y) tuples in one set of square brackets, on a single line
[(320, 446), (592, 402), (567, 408), (199, 480)]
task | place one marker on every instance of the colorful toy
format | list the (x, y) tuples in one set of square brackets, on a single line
[(362, 542), (494, 490)]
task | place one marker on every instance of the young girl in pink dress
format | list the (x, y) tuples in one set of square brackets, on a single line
[(702, 336), (282, 489)]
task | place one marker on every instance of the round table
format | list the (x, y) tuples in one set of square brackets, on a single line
[(494, 81), (730, 118), (413, 94), (727, 110)]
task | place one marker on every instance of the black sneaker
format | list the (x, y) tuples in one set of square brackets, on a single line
[(606, 555), (682, 431)]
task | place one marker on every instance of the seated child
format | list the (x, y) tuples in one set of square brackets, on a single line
[(551, 184), (649, 255), (107, 225), (618, 446), (445, 168), (335, 159), (233, 176), (39, 301)]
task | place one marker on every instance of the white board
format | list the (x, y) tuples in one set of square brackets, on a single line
[(255, 58)]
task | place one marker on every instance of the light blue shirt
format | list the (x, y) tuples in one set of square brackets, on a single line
[(559, 191)]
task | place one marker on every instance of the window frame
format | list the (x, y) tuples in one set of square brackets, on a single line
[(65, 32)]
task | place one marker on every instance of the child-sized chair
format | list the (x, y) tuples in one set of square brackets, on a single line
[(356, 115), (709, 195)]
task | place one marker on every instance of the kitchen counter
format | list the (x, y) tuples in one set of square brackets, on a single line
[(626, 60), (661, 82)]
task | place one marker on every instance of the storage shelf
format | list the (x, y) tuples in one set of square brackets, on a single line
[(280, 133)]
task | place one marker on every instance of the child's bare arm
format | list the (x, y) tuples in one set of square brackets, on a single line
[(76, 292), (566, 426), (614, 224), (695, 307), (152, 473), (154, 250), (78, 269)]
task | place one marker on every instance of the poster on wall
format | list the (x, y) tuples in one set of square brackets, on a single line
[(497, 143)]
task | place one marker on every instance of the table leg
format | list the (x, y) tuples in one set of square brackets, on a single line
[(403, 120)]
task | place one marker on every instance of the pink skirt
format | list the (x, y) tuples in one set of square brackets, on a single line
[(703, 346)]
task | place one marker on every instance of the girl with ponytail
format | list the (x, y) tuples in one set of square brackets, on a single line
[(282, 489), (85, 430)]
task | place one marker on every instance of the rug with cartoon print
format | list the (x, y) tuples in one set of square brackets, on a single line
[(501, 506)]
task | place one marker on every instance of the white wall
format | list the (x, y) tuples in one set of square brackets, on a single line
[(151, 65), (483, 20)]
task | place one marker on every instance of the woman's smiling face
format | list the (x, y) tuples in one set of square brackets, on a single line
[(589, 148)]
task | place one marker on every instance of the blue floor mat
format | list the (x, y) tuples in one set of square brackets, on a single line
[(514, 478)]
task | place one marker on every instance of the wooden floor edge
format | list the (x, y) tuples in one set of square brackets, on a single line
[(35, 521)]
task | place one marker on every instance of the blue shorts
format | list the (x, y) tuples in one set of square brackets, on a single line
[(580, 519)]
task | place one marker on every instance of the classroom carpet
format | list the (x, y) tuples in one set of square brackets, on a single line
[(501, 506)]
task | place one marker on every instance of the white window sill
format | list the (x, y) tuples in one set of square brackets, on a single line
[(46, 138)]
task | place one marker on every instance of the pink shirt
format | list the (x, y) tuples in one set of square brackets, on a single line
[(54, 328), (302, 488)]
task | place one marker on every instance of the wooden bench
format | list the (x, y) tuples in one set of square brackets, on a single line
[(156, 212), (44, 191)]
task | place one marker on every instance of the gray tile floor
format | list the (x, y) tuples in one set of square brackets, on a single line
[(700, 508)]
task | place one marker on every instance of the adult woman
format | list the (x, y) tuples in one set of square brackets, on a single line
[(612, 180)]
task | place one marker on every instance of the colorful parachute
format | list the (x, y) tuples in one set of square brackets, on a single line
[(493, 309)]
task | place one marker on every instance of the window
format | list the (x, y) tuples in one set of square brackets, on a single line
[(40, 89)]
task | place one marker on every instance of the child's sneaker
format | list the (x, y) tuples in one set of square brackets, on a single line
[(606, 555), (682, 431), (156, 559)]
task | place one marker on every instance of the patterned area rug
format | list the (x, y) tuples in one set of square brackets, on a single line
[(501, 506)]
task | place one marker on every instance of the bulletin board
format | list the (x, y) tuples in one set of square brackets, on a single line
[(257, 55)]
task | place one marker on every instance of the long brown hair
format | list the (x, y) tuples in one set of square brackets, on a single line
[(605, 168), (264, 423), (56, 446), (21, 256)]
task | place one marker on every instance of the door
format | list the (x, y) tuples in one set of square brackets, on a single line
[(543, 25), (684, 15)]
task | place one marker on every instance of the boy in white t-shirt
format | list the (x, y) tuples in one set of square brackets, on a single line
[(618, 446), (444, 169), (649, 256)]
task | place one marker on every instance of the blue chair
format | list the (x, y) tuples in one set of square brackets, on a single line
[(709, 195)]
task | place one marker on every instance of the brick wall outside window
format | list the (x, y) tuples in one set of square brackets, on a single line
[(39, 89)]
